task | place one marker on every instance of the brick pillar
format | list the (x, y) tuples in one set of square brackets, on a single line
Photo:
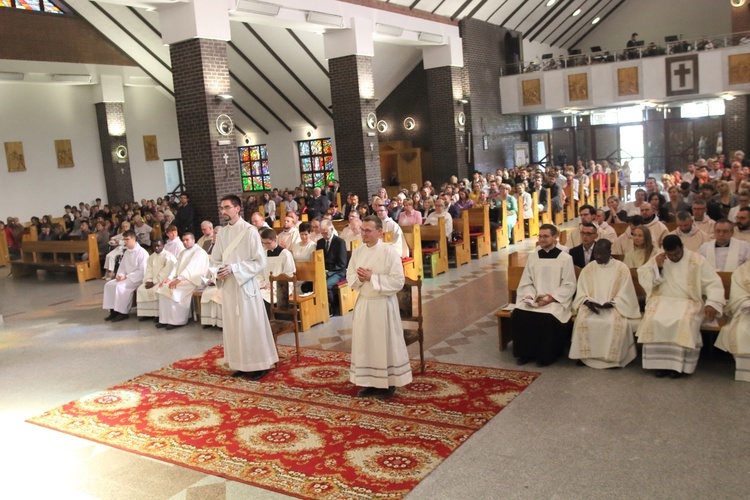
[(110, 120), (736, 117), (200, 71), (357, 153), (444, 87)]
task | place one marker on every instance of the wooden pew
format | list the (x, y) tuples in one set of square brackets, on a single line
[(30, 234), (479, 230), (546, 216), (155, 232), (502, 239), (534, 221), (60, 255), (413, 266), (518, 229), (558, 218), (4, 252), (436, 256), (340, 224), (313, 308), (570, 205), (461, 249)]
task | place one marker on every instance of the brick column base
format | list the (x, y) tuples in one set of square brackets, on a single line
[(448, 142)]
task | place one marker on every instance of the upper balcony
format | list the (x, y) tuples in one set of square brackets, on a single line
[(678, 70)]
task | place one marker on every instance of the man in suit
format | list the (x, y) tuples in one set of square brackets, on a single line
[(319, 203), (582, 254), (334, 251)]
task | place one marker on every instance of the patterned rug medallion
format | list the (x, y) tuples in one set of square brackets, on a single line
[(301, 430)]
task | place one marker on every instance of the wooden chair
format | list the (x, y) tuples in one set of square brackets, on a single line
[(413, 266), (518, 229), (501, 233), (436, 257), (534, 221), (410, 315), (569, 208), (313, 307), (284, 307), (461, 249)]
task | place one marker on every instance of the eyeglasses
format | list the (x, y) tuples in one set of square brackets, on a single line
[(587, 233)]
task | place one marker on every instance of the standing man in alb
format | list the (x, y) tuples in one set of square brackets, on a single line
[(380, 361), (238, 253)]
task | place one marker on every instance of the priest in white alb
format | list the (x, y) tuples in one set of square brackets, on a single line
[(249, 346), (379, 360), (607, 309), (118, 293), (675, 283), (176, 292), (724, 252), (735, 335), (158, 267), (692, 237)]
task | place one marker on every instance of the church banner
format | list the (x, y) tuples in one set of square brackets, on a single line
[(682, 75)]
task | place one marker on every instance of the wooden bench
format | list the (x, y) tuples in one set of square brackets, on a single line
[(60, 256), (313, 308), (569, 208), (534, 221), (479, 230), (518, 229), (461, 249), (30, 233), (545, 217), (435, 258), (4, 252), (413, 266), (340, 224)]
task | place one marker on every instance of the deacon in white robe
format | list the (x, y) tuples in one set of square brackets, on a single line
[(176, 292), (379, 360), (118, 293), (724, 252), (692, 237), (735, 335), (607, 312), (173, 244), (675, 283), (158, 268), (238, 254), (542, 311)]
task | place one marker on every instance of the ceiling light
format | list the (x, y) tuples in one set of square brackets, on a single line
[(728, 97), (253, 7), (596, 20), (325, 19), (385, 29), (550, 3), (11, 77), (72, 78), (577, 11), (430, 37), (224, 97)]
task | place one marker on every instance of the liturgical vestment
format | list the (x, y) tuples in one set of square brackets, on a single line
[(735, 335), (158, 268), (118, 295), (174, 304)]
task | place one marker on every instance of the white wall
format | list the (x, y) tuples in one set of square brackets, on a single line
[(653, 20)]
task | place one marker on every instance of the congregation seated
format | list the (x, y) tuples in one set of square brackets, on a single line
[(583, 252), (353, 231), (336, 259), (409, 216), (440, 212), (304, 247)]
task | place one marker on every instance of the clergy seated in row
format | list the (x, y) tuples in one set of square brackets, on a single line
[(158, 268), (397, 235), (173, 244), (743, 200), (176, 292), (353, 231), (583, 253), (742, 224), (336, 258), (643, 248), (735, 335), (676, 283), (379, 359), (117, 249), (605, 306), (257, 220), (290, 234), (210, 294), (606, 231), (118, 293), (700, 219), (208, 236), (724, 252), (542, 311), (587, 214), (692, 237), (624, 243), (278, 261), (653, 224)]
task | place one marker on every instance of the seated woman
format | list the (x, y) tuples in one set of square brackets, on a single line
[(725, 198), (644, 248), (440, 212), (428, 208), (675, 204), (464, 202), (659, 204), (409, 217), (615, 214)]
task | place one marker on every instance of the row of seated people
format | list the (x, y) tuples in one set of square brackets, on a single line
[(683, 290)]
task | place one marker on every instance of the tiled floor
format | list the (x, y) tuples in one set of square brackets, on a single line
[(575, 433)]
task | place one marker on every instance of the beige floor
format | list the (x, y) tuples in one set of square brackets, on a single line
[(575, 433)]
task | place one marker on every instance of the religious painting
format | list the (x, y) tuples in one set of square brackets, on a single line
[(627, 81), (149, 146), (578, 87), (14, 156), (682, 75), (532, 92), (64, 153), (739, 69)]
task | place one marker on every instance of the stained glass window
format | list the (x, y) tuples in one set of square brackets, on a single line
[(33, 5), (254, 168), (316, 162)]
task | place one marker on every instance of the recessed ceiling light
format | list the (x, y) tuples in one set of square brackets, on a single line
[(596, 20), (578, 11), (550, 3)]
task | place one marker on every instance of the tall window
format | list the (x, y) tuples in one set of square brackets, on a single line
[(35, 5), (254, 168), (316, 162)]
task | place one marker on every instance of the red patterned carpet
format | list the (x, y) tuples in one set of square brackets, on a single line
[(301, 430)]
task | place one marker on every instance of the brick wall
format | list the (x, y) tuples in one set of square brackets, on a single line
[(117, 179), (736, 118), (444, 86), (54, 37), (200, 71), (409, 98), (358, 161), (484, 55)]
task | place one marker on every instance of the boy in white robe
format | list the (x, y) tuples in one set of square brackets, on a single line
[(278, 261), (379, 360), (735, 335), (158, 267), (606, 305), (176, 292), (118, 293), (675, 283), (249, 346), (173, 244)]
